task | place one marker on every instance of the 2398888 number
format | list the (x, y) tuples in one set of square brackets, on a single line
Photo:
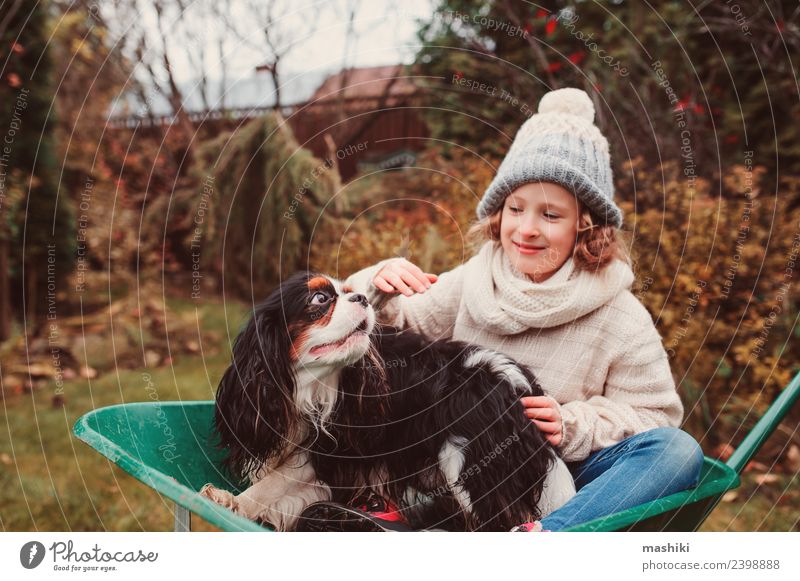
[(756, 564)]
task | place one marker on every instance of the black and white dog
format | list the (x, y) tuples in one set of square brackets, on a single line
[(320, 403)]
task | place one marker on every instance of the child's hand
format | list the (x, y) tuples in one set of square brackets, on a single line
[(400, 275), (543, 411)]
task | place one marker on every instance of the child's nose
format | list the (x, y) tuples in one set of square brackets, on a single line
[(529, 228)]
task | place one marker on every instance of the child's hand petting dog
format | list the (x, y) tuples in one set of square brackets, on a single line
[(400, 275), (544, 412)]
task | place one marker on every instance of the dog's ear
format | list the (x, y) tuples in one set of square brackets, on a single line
[(254, 413)]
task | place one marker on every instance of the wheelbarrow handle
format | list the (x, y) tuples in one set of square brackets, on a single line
[(765, 426)]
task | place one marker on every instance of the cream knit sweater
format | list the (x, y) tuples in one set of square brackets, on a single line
[(590, 342)]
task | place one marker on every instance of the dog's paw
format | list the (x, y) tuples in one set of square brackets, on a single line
[(235, 504), (219, 496)]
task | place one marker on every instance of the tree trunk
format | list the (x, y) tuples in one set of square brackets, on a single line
[(276, 81), (5, 291), (29, 280)]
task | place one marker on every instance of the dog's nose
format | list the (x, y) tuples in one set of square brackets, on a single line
[(359, 299)]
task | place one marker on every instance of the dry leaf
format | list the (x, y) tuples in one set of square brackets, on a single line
[(730, 496), (762, 479)]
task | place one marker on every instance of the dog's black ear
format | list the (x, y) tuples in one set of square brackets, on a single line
[(255, 411)]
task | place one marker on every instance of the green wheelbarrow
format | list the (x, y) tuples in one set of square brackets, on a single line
[(168, 446)]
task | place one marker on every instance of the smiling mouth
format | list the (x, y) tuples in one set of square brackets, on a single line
[(357, 332), (527, 249)]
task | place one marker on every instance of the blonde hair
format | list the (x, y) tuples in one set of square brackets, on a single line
[(595, 246)]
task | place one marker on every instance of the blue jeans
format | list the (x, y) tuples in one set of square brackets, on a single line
[(639, 469)]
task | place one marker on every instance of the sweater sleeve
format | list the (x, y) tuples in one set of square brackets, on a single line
[(639, 395), (432, 313)]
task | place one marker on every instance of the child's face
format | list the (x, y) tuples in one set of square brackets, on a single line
[(538, 228)]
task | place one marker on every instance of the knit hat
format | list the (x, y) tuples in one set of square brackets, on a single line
[(561, 145)]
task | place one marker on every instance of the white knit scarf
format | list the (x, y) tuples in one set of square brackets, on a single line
[(505, 301)]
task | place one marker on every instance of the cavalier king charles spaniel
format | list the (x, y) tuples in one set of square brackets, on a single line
[(321, 403)]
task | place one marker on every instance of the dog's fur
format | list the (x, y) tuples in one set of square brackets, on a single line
[(320, 403)]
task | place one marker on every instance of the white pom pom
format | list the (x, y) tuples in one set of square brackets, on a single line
[(571, 101)]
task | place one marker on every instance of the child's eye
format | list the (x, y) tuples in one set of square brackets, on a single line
[(551, 216), (513, 209)]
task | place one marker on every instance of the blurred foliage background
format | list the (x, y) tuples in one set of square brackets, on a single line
[(163, 236)]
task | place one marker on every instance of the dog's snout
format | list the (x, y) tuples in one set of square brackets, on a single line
[(359, 298)]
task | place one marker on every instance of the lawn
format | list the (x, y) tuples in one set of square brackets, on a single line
[(50, 480)]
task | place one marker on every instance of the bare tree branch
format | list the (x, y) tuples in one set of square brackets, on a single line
[(7, 18)]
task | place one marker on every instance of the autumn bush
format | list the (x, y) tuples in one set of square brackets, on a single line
[(715, 268), (421, 212)]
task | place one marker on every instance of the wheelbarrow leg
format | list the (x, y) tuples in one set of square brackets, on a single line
[(183, 519)]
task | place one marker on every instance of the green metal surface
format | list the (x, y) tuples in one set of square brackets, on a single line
[(168, 446)]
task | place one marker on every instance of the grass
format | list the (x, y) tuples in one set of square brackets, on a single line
[(51, 481), (759, 508)]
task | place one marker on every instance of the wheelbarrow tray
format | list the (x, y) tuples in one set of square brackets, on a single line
[(682, 511), (169, 447)]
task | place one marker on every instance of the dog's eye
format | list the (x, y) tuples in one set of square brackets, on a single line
[(318, 299)]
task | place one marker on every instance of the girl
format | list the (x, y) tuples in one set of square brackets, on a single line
[(551, 288)]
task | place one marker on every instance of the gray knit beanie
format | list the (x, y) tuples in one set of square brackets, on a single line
[(561, 145)]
